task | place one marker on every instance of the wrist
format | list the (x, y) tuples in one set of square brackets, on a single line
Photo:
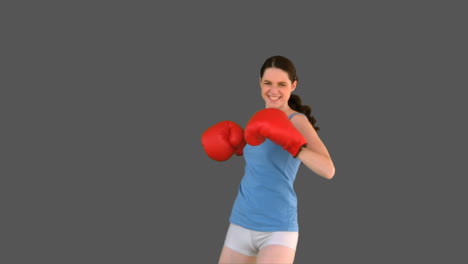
[(299, 151)]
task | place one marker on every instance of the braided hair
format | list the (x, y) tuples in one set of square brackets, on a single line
[(295, 101)]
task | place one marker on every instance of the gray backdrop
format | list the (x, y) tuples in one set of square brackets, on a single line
[(103, 107)]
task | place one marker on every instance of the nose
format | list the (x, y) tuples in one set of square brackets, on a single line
[(274, 89)]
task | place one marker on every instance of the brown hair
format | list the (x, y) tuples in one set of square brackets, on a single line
[(295, 101)]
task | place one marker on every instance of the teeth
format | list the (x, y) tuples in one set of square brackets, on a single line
[(274, 97)]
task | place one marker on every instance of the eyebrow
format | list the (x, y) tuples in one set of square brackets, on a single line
[(278, 82)]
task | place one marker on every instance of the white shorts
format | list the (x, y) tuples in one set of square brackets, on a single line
[(249, 242)]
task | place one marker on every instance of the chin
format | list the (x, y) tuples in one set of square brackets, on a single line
[(274, 105)]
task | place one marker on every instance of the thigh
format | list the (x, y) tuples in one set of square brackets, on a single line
[(281, 238), (238, 247), (239, 239), (276, 254), (229, 256), (279, 247)]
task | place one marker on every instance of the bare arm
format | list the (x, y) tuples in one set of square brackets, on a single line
[(315, 155)]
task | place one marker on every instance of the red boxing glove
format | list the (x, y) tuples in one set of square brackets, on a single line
[(222, 140), (275, 125)]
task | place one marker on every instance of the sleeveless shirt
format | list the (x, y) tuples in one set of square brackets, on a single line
[(266, 200)]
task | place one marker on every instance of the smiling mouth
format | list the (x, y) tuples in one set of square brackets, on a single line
[(274, 98)]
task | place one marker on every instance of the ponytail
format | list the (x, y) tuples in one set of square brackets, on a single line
[(295, 103)]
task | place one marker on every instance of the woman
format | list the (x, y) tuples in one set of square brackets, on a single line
[(263, 222)]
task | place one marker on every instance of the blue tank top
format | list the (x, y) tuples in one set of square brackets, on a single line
[(266, 200)]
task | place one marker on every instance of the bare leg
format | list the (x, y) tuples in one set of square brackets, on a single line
[(276, 254), (229, 256)]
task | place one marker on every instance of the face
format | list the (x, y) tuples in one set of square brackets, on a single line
[(276, 88)]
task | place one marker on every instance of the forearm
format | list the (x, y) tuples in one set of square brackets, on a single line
[(318, 163)]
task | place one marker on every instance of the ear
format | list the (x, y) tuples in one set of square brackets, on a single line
[(293, 86)]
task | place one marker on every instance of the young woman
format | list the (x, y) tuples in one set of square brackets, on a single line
[(276, 140)]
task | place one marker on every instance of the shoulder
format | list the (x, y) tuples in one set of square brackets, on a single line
[(298, 118), (302, 123)]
